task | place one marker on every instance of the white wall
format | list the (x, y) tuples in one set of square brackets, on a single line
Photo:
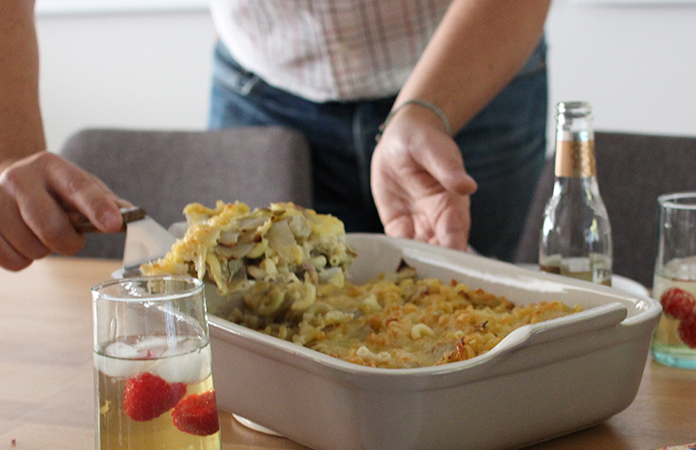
[(635, 64), (137, 70)]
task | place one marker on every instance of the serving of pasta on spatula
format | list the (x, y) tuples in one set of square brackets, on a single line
[(270, 258)]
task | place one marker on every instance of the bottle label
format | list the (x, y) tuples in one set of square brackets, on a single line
[(575, 159)]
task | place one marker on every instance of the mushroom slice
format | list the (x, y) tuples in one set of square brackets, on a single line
[(281, 239)]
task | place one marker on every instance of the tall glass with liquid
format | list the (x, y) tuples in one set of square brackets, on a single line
[(674, 341), (152, 365)]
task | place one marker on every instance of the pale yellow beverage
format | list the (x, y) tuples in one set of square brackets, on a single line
[(182, 365), (667, 346), (595, 268)]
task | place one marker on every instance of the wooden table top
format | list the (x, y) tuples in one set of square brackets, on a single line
[(47, 394)]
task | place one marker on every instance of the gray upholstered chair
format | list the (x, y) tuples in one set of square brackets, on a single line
[(163, 171), (632, 170)]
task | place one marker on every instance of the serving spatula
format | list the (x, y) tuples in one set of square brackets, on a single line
[(146, 240)]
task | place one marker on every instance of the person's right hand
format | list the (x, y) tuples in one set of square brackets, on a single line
[(35, 194)]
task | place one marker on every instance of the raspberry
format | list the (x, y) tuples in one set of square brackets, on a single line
[(147, 396), (687, 331), (678, 303), (197, 414)]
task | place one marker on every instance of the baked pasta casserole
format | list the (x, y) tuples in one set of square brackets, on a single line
[(282, 271), (400, 321)]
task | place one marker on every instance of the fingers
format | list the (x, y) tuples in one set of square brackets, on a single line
[(18, 244), (86, 193), (449, 232), (439, 220), (444, 220), (452, 227), (33, 194), (400, 227), (35, 212), (443, 161)]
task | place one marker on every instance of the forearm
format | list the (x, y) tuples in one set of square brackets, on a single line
[(21, 127), (477, 49)]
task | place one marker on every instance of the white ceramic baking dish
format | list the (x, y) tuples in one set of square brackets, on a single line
[(542, 381)]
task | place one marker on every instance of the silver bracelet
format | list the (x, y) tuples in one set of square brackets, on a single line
[(415, 101)]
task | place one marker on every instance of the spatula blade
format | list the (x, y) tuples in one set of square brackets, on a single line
[(146, 241)]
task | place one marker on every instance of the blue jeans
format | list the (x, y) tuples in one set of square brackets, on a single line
[(503, 147)]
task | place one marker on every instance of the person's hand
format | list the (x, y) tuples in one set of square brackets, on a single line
[(35, 193), (419, 183)]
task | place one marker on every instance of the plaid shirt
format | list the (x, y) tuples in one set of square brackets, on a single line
[(326, 50)]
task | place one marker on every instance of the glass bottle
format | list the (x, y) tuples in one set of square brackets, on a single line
[(576, 234)]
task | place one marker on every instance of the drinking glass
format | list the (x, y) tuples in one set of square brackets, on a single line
[(152, 364), (674, 341)]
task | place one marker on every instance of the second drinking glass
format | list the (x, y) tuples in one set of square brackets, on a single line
[(674, 341)]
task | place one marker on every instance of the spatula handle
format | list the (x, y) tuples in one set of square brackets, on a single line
[(83, 225)]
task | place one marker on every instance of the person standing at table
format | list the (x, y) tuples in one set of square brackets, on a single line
[(472, 69)]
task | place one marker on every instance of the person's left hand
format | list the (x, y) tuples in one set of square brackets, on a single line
[(419, 183)]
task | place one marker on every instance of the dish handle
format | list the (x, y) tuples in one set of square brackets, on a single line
[(597, 318)]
